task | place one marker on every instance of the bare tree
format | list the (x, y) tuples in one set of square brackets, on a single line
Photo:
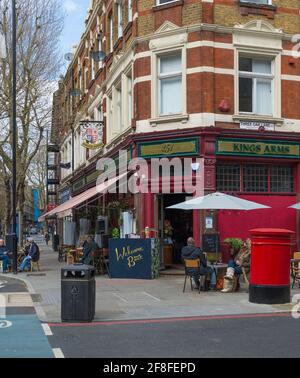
[(37, 174), (39, 26)]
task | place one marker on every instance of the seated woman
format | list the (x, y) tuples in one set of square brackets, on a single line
[(240, 262)]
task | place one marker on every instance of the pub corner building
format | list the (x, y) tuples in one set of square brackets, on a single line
[(165, 79)]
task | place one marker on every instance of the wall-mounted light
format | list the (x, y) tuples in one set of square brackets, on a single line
[(195, 166)]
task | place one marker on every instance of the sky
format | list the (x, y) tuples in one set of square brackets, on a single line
[(75, 14)]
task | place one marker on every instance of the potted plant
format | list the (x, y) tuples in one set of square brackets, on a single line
[(235, 244), (115, 233)]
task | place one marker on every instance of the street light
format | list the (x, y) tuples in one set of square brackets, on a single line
[(14, 136)]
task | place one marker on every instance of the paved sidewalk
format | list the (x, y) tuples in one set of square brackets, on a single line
[(138, 299)]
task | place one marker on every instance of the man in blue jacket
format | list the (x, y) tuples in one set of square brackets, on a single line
[(33, 254), (4, 256), (191, 252)]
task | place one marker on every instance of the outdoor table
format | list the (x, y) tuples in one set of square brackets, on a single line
[(219, 268)]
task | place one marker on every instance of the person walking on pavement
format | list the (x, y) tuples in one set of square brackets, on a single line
[(47, 238), (4, 256), (33, 254)]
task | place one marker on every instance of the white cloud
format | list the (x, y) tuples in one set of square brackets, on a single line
[(70, 6)]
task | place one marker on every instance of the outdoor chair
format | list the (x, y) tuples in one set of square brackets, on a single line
[(191, 264), (295, 273), (35, 265)]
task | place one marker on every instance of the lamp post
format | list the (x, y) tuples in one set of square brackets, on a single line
[(14, 136)]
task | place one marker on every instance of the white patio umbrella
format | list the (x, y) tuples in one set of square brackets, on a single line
[(218, 201), (296, 206)]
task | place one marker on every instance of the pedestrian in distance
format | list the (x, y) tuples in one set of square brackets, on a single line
[(47, 238)]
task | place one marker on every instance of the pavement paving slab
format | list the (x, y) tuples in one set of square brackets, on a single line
[(124, 299)]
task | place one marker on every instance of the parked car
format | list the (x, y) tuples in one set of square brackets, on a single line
[(33, 231)]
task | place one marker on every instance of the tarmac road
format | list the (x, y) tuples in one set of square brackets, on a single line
[(273, 336)]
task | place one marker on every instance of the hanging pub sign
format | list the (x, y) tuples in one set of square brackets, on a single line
[(92, 134)]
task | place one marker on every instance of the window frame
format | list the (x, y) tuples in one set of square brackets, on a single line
[(260, 53), (169, 75), (256, 3), (129, 11), (256, 77), (111, 33), (120, 20), (268, 165), (155, 82), (158, 3)]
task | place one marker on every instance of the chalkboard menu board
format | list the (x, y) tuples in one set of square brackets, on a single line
[(210, 243), (134, 258)]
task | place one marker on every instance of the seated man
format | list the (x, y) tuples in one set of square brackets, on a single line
[(191, 252), (235, 266), (89, 246), (4, 256), (33, 254)]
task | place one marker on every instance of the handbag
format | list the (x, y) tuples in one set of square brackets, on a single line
[(220, 283)]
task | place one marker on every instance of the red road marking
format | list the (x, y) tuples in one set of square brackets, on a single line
[(170, 320)]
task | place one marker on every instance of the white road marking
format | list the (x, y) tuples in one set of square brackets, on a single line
[(151, 296), (47, 330), (5, 324), (118, 296), (58, 353), (3, 284)]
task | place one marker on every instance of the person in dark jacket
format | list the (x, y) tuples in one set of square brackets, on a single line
[(191, 252), (89, 246), (4, 256), (33, 254)]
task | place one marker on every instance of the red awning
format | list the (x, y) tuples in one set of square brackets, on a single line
[(73, 202)]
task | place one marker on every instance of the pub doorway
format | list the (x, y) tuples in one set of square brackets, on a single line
[(175, 226)]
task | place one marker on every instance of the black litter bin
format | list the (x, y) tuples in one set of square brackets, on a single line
[(55, 243), (78, 293)]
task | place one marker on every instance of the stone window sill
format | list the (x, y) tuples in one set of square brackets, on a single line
[(183, 118), (259, 118)]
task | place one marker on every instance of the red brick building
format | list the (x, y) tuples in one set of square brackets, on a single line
[(223, 75)]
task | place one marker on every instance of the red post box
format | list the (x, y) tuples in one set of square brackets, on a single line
[(270, 265)]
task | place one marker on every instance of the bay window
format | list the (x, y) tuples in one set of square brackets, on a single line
[(170, 84)]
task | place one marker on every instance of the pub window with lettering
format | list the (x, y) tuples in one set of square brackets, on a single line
[(255, 178), (256, 82)]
